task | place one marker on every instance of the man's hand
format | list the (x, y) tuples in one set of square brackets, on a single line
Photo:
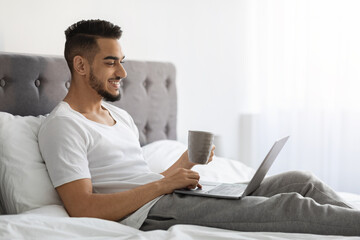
[(185, 157), (179, 174), (180, 178), (184, 162)]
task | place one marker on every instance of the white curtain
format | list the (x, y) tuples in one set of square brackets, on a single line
[(302, 78)]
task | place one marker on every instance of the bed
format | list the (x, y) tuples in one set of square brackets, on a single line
[(30, 87)]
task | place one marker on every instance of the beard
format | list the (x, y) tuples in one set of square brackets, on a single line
[(99, 87)]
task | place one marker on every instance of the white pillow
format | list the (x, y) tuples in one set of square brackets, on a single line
[(24, 180), (160, 155)]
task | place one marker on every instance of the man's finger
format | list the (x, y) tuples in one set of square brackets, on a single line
[(193, 175)]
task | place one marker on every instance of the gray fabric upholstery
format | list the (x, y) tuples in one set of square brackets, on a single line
[(34, 84)]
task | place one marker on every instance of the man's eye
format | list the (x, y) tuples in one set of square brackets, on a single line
[(122, 62), (110, 63)]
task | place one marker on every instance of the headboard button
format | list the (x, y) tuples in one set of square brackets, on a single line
[(166, 130), (2, 83), (167, 83), (146, 129), (37, 83), (145, 84)]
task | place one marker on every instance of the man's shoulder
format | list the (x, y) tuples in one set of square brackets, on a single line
[(60, 115)]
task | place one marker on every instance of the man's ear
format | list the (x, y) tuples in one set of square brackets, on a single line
[(80, 65)]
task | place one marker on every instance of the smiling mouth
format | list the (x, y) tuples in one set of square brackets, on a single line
[(115, 83)]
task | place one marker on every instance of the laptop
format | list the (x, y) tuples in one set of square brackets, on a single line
[(238, 190)]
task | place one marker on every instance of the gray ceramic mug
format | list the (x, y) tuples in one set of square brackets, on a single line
[(199, 146)]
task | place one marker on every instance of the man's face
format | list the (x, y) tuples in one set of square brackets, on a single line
[(106, 70)]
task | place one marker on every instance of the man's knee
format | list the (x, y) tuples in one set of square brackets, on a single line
[(302, 176)]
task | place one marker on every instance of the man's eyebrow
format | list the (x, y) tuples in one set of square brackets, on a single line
[(113, 58)]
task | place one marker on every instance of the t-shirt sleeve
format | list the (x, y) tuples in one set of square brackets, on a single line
[(63, 146)]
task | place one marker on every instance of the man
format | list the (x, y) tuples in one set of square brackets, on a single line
[(94, 159)]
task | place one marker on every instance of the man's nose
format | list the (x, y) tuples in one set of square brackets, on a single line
[(121, 72)]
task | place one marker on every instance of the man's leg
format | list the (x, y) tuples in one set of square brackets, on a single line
[(304, 183), (280, 212), (286, 212)]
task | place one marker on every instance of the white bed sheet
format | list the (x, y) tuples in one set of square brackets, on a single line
[(52, 222)]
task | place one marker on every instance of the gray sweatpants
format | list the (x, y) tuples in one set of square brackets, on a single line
[(290, 202)]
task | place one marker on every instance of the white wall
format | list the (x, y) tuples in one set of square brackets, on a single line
[(302, 79), (200, 37), (230, 56)]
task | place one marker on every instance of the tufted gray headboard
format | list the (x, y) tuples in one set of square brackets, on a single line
[(34, 84)]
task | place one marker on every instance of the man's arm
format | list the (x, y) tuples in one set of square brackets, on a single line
[(183, 162), (80, 201)]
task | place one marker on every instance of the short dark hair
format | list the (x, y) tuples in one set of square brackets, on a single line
[(81, 38)]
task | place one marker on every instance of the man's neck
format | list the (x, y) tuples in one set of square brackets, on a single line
[(84, 101), (89, 107)]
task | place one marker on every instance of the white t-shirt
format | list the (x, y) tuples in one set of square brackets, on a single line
[(74, 147)]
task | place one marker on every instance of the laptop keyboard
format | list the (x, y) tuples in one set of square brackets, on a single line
[(228, 189)]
